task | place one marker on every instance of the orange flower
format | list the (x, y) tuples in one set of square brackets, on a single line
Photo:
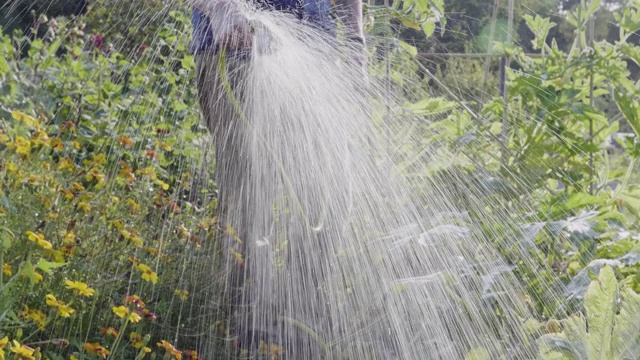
[(171, 350), (108, 330), (192, 355), (134, 300), (96, 348)]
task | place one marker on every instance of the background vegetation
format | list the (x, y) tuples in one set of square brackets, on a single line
[(102, 198)]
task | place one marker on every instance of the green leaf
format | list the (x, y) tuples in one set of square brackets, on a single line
[(48, 266), (600, 303), (630, 109), (479, 353), (411, 50), (625, 334), (432, 106), (428, 27), (30, 272)]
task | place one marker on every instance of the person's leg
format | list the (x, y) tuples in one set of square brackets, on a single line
[(231, 167)]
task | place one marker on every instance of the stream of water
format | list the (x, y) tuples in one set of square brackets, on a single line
[(348, 241)]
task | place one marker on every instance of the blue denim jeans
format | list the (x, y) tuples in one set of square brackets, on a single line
[(315, 12)]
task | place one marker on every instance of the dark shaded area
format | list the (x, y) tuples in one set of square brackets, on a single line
[(23, 14)]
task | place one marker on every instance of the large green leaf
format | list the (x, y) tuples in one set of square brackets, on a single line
[(600, 302), (630, 109), (605, 333), (627, 329)]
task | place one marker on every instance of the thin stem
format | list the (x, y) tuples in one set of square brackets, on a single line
[(591, 103)]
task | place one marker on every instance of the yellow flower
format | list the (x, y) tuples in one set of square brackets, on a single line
[(23, 352), (22, 145), (96, 348), (6, 269), (11, 168), (99, 159), (25, 118), (37, 277), (80, 287), (39, 240), (77, 187), (3, 343), (182, 294), (66, 164), (120, 311), (84, 206), (64, 310), (36, 315), (135, 317), (69, 238), (57, 144), (147, 273), (136, 340), (135, 239)]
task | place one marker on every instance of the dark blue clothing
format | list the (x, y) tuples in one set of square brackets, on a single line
[(317, 12)]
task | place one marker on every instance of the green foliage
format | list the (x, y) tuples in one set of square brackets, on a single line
[(97, 152), (609, 330), (98, 146), (543, 150)]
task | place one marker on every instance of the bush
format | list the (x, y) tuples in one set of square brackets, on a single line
[(98, 154)]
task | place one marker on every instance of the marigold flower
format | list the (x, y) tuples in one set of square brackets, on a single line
[(182, 294), (64, 310), (39, 240), (37, 277), (22, 351), (3, 342), (109, 331), (171, 350), (134, 300), (11, 168), (192, 355), (135, 317), (6, 269), (80, 287), (147, 314), (96, 348), (84, 206), (22, 146), (147, 273), (120, 311), (136, 340), (37, 316), (58, 146)]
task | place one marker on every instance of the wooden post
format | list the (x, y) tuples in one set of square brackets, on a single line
[(505, 62)]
